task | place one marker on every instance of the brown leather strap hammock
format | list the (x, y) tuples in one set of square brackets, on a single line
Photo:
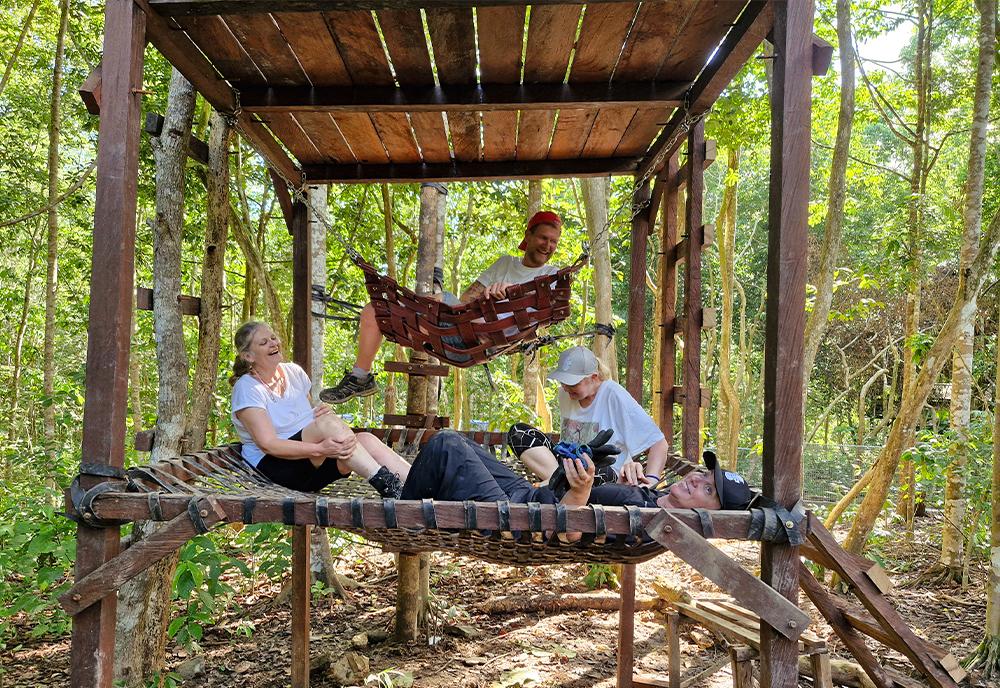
[(472, 333)]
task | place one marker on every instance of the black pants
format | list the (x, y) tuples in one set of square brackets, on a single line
[(300, 474), (451, 467)]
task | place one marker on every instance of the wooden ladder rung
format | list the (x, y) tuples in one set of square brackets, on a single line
[(426, 369)]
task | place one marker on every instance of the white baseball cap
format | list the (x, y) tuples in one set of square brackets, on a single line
[(575, 364)]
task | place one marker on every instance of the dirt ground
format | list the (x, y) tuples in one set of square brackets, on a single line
[(569, 649)]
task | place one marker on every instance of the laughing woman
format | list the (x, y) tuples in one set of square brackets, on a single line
[(292, 442)]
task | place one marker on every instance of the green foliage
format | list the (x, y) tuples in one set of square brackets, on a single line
[(601, 576)]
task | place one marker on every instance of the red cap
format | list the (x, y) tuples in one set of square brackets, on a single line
[(542, 217)]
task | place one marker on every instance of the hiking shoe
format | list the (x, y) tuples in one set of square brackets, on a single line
[(348, 388), (386, 483)]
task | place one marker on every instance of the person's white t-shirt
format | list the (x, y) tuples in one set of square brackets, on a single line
[(510, 269), (613, 408), (289, 413)]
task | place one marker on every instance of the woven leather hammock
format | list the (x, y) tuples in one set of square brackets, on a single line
[(476, 331)]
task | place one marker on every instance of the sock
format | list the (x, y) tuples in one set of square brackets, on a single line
[(359, 373)]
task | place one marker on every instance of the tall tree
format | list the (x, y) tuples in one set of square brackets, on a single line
[(729, 408), (529, 383), (52, 261), (9, 69), (19, 332), (206, 370), (950, 562), (595, 192), (836, 195), (144, 602)]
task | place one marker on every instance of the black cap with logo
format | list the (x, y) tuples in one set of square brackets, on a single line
[(734, 493)]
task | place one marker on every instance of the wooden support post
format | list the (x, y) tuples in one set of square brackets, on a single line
[(785, 318), (112, 281), (674, 632), (284, 198), (302, 348), (741, 658), (820, 663), (668, 290), (691, 414)]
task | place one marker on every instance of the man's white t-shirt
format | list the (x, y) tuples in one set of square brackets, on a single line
[(289, 413), (613, 408), (510, 269)]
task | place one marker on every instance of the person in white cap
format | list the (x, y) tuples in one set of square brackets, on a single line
[(589, 402)]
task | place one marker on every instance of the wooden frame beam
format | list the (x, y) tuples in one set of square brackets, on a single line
[(197, 149), (668, 290), (190, 305), (110, 320), (90, 91), (691, 371), (202, 7), (462, 97), (362, 173)]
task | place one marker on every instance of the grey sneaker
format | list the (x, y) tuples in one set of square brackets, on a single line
[(348, 388), (386, 483)]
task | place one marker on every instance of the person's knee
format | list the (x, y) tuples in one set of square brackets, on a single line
[(334, 427), (368, 316), (522, 437)]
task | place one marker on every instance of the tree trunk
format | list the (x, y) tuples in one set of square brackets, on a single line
[(961, 376), (144, 602), (595, 192), (529, 383), (391, 390), (459, 412), (970, 284), (22, 326), (836, 195), (9, 69), (319, 219), (729, 407), (253, 254), (52, 264), (206, 370)]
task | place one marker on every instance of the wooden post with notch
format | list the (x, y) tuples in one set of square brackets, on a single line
[(302, 347), (691, 378), (785, 316), (668, 294)]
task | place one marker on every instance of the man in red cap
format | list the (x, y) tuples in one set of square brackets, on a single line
[(541, 237)]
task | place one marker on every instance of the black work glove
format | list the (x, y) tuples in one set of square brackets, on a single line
[(598, 450)]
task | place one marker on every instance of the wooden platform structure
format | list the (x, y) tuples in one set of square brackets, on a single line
[(341, 91)]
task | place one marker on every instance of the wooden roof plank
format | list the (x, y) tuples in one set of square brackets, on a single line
[(641, 130), (465, 135), (609, 126), (220, 46), (360, 46), (659, 27), (263, 42), (397, 137), (472, 170), (572, 129), (602, 34), (431, 136), (360, 133), (410, 58), (286, 128), (310, 39), (710, 18), (499, 135), (187, 7), (551, 32), (453, 39), (326, 137), (534, 130), (500, 33)]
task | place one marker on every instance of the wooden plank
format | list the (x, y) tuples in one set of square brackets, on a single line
[(785, 315), (635, 352), (708, 18), (360, 134), (734, 631), (895, 628), (114, 573), (310, 40), (143, 441), (458, 170), (214, 38), (534, 130), (323, 134), (90, 91), (822, 675), (301, 286), (284, 199), (602, 34), (416, 420), (668, 290), (830, 608), (742, 668), (186, 7), (500, 63), (674, 641), (397, 137), (737, 47), (609, 126), (747, 589), (110, 313), (711, 151), (453, 38), (266, 46), (691, 362), (704, 396), (301, 580), (571, 133), (626, 627), (416, 368), (730, 525), (190, 305), (822, 56)]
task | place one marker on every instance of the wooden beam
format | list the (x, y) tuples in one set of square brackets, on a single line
[(202, 7), (822, 56), (284, 198), (90, 91), (730, 525), (190, 305), (363, 173), (736, 49), (301, 581), (691, 365), (114, 573), (488, 97), (301, 286), (668, 294), (704, 397), (788, 215), (706, 236), (428, 369), (110, 319), (197, 149), (637, 295), (711, 151), (189, 60), (743, 586)]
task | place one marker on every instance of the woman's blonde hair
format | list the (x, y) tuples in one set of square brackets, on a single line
[(603, 371), (242, 341)]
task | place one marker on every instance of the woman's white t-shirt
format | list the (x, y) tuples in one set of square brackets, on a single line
[(613, 408), (289, 413)]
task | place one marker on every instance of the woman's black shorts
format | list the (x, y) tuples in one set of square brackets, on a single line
[(300, 474)]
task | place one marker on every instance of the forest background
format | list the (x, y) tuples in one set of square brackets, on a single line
[(891, 249)]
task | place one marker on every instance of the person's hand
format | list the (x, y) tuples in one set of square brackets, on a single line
[(321, 409), (632, 474), (580, 476), (497, 290), (339, 447)]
